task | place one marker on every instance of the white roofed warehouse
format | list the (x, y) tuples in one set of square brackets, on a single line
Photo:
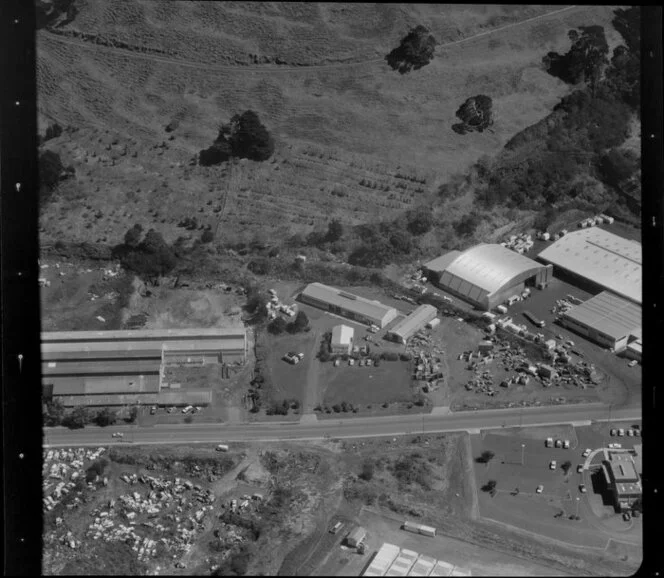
[(347, 305), (412, 323), (342, 339), (486, 275), (601, 259), (606, 319)]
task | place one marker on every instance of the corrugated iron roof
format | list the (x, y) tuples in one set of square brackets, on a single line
[(414, 321), (490, 266), (145, 334), (609, 314), (342, 335), (371, 309), (601, 257)]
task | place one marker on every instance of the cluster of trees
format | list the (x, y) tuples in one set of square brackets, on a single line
[(562, 161), (149, 257), (416, 50), (475, 114), (586, 59), (244, 137), (485, 457), (54, 414), (299, 325), (385, 242), (282, 407), (256, 304), (96, 469), (490, 487)]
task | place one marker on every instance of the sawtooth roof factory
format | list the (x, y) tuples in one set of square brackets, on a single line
[(599, 259), (486, 274), (97, 368), (347, 305)]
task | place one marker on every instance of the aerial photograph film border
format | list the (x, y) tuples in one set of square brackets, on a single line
[(229, 392)]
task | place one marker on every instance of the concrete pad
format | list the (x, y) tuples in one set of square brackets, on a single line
[(309, 418), (441, 410)]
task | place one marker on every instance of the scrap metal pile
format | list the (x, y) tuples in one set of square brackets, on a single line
[(427, 357)]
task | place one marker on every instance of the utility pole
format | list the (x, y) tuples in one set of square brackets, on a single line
[(523, 448)]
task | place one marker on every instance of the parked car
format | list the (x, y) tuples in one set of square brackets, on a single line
[(566, 444), (579, 468), (334, 529), (613, 432), (153, 410), (117, 434), (626, 516), (632, 363), (637, 433), (621, 432), (351, 361), (549, 442), (188, 409), (586, 453), (170, 409), (539, 489), (569, 343), (222, 448), (582, 488), (552, 465), (629, 432), (300, 356), (559, 443)]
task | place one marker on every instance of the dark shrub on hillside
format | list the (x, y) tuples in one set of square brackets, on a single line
[(476, 113), (416, 50), (277, 326)]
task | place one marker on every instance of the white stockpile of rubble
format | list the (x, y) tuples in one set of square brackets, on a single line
[(65, 465)]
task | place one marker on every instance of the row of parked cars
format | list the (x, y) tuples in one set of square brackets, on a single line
[(634, 431)]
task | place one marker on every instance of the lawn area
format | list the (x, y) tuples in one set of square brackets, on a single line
[(389, 382)]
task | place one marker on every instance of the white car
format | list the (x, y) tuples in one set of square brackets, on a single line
[(118, 434), (629, 432), (621, 432), (586, 453), (566, 444), (582, 488), (613, 432), (188, 409), (579, 468), (552, 465), (632, 363), (539, 489)]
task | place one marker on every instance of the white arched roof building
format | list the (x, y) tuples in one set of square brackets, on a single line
[(486, 274)]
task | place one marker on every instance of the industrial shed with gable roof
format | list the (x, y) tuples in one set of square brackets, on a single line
[(606, 319), (342, 339), (601, 259), (412, 323), (486, 274), (347, 305)]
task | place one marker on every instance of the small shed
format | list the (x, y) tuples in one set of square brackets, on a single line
[(356, 535)]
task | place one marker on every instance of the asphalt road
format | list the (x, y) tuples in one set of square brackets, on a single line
[(580, 414)]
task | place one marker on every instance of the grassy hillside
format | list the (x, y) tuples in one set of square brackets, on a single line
[(355, 140)]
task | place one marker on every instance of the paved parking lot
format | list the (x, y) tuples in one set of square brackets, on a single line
[(540, 513)]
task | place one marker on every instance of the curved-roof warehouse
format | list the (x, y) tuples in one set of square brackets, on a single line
[(485, 271)]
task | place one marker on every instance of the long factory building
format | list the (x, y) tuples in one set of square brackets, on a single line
[(348, 305), (599, 259), (98, 368), (486, 275)]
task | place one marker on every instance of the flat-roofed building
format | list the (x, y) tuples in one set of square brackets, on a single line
[(347, 305), (601, 259), (342, 339), (486, 275), (412, 323), (606, 319), (622, 480)]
